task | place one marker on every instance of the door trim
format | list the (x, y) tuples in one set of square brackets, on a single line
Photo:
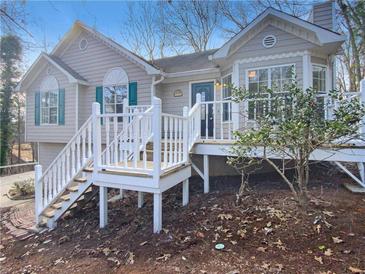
[(201, 81)]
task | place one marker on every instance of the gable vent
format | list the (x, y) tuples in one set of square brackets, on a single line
[(269, 41)]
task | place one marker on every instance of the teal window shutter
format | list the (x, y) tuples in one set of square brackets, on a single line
[(61, 106), (37, 108), (99, 98), (132, 96)]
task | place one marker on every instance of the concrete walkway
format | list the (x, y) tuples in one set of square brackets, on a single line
[(7, 182), (19, 219)]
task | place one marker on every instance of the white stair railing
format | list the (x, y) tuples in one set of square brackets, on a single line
[(73, 157), (194, 122)]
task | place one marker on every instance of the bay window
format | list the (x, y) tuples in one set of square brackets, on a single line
[(259, 81)]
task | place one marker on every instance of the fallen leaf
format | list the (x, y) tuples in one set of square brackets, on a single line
[(265, 265), (242, 233), (337, 240), (114, 260), (233, 242), (318, 228), (225, 216), (356, 270), (164, 257), (106, 251), (200, 234), (328, 213), (318, 259), (262, 249), (321, 247), (143, 243), (328, 252), (130, 259)]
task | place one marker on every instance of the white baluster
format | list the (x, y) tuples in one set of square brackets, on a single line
[(214, 119), (180, 139), (83, 134), (78, 152), (45, 193), (68, 168), (115, 155), (89, 142), (107, 140), (64, 170), (59, 180), (73, 162), (185, 135), (230, 121), (170, 138), (222, 118), (136, 139), (166, 126)]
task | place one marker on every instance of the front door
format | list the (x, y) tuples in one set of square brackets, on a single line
[(206, 90)]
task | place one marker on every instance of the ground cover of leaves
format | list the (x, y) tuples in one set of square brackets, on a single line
[(264, 234)]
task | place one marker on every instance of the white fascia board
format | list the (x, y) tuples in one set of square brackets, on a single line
[(324, 36)]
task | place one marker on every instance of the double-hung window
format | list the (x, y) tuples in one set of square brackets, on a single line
[(49, 107), (227, 96), (277, 78), (113, 98), (319, 85)]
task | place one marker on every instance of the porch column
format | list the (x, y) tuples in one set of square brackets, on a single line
[(157, 212), (103, 206), (140, 199), (235, 106), (206, 173), (185, 192), (307, 70)]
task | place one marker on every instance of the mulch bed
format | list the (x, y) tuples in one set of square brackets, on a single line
[(266, 233)]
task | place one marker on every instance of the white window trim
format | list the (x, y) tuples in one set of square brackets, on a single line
[(268, 80), (222, 99), (116, 85), (269, 75), (49, 116), (115, 102), (326, 79)]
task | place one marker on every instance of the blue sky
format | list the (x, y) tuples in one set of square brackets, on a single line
[(52, 19), (49, 20)]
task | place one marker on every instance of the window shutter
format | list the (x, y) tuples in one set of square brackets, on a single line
[(99, 99), (61, 106), (37, 108), (132, 93)]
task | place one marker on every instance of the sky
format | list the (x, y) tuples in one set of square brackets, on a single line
[(49, 20)]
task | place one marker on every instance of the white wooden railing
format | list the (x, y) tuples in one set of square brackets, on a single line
[(72, 158), (126, 148)]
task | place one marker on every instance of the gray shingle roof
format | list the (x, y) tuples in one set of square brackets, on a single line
[(186, 62), (67, 68)]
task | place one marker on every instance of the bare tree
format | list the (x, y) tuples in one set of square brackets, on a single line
[(144, 30), (192, 23), (12, 16)]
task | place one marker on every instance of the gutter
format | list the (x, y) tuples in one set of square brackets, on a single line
[(154, 83)]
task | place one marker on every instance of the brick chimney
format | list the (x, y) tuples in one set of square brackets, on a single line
[(323, 14)]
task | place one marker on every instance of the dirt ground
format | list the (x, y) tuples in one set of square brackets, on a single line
[(264, 234)]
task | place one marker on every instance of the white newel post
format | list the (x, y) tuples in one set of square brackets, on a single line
[(156, 130), (38, 189), (362, 98), (96, 136), (186, 135), (198, 119)]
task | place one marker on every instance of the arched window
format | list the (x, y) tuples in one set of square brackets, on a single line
[(115, 90), (49, 100)]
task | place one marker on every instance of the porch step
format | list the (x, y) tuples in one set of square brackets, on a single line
[(73, 188), (88, 169), (81, 180), (57, 205), (49, 213), (65, 197)]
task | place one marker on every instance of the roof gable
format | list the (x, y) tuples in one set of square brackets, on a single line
[(71, 75), (301, 28), (78, 26)]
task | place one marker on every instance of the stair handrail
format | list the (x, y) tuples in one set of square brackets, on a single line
[(63, 168), (194, 121)]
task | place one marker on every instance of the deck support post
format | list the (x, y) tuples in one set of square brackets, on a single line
[(38, 190), (157, 212), (206, 173), (140, 199), (103, 206), (121, 193), (185, 192), (362, 99)]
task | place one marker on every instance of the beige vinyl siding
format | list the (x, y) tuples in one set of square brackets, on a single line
[(94, 62), (285, 43), (50, 133), (322, 15), (48, 152)]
